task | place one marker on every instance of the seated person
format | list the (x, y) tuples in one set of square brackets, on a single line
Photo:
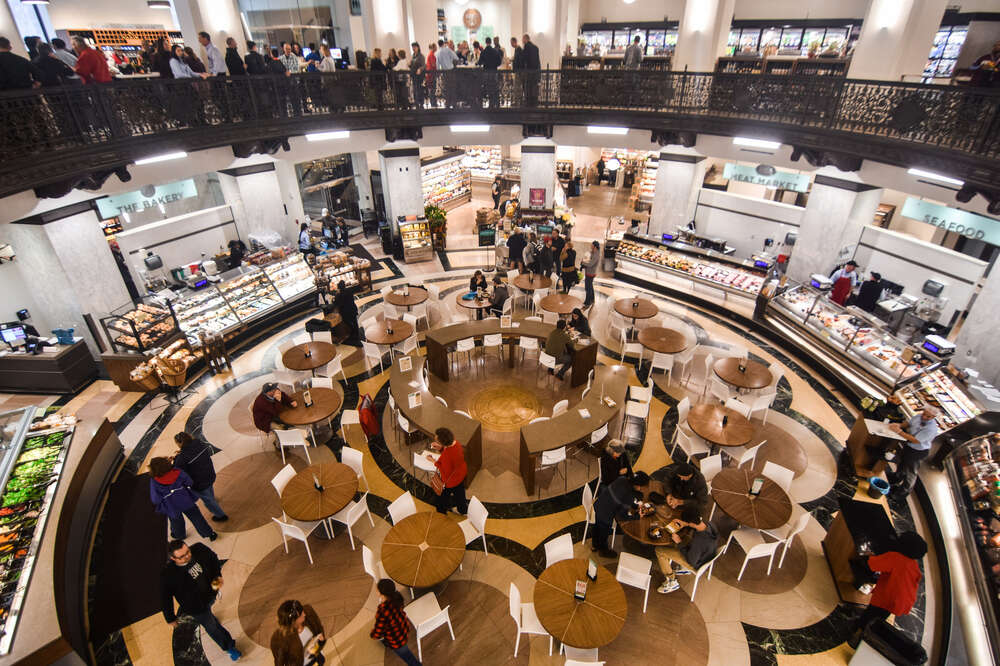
[(560, 345), (682, 484), (695, 543), (614, 463), (499, 296), (477, 282), (267, 405), (617, 503), (579, 323)]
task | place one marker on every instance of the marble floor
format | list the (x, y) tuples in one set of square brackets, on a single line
[(792, 616)]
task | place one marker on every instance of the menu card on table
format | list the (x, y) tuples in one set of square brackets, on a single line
[(505, 321), (405, 363), (415, 399)]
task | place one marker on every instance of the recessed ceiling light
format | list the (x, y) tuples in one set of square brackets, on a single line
[(158, 4), (34, 2), (161, 158), (756, 143), (326, 136), (600, 129), (470, 128), (920, 173)]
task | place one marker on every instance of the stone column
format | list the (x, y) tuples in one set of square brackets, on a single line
[(540, 23), (400, 165), (219, 18), (538, 170), (702, 34), (837, 211), (679, 175), (424, 14), (8, 28), (977, 344), (896, 37), (362, 178), (255, 198), (386, 25)]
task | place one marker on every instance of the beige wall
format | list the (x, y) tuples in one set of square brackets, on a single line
[(96, 13)]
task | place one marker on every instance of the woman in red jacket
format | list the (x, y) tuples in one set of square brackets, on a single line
[(896, 589), (451, 466)]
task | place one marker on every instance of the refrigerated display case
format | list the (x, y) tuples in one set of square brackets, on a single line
[(205, 311), (938, 389), (250, 294), (446, 183), (483, 162), (291, 276), (416, 237), (139, 329)]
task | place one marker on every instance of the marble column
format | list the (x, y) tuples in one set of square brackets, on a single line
[(538, 170), (702, 34), (541, 24), (896, 37), (255, 198), (679, 175), (400, 165), (977, 344), (219, 18), (839, 208), (424, 18), (385, 25), (362, 178)]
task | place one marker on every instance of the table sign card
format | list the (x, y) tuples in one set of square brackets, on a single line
[(415, 400), (505, 321), (405, 363), (307, 398), (581, 590), (755, 487), (591, 569), (585, 413)]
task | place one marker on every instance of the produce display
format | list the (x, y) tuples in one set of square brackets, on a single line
[(446, 184), (169, 365), (709, 271), (936, 388), (291, 276), (141, 328), (482, 161)]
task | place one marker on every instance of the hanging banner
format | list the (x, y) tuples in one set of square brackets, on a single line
[(768, 176), (957, 221), (148, 197)]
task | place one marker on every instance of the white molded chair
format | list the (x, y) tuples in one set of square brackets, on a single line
[(283, 347), (588, 507), (580, 655), (719, 389), (539, 418), (525, 619), (786, 534), (560, 407), (418, 312), (558, 549), (282, 478), (634, 570), (493, 343), (474, 527), (663, 362), (549, 317), (401, 507), (703, 377), (407, 346), (350, 417), (709, 466), (632, 349), (738, 406), (441, 400), (684, 360), (332, 368), (351, 514), (576, 662), (288, 438), (552, 458), (780, 475), (464, 346), (373, 567), (617, 322), (528, 344), (356, 461), (754, 547), (760, 406), (750, 455), (641, 393), (372, 351), (300, 530), (465, 414), (405, 426), (544, 361), (290, 381), (635, 410), (322, 336), (702, 570), (692, 446), (322, 382), (423, 464), (427, 615)]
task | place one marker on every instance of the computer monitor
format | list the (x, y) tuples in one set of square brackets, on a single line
[(13, 336), (336, 54)]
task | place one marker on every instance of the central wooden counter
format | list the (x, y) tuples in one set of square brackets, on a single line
[(431, 414), (440, 339), (570, 427)]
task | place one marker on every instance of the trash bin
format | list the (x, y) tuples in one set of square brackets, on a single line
[(883, 643), (877, 487)]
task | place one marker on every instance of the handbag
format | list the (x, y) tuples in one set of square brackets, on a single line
[(366, 414), (437, 484)]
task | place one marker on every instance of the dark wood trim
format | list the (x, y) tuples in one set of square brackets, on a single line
[(623, 25), (48, 654), (60, 213), (840, 183), (399, 152), (447, 155), (538, 149), (248, 170), (678, 157)]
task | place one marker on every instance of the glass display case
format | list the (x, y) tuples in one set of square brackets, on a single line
[(205, 311), (291, 276), (938, 389), (416, 237), (483, 162), (250, 294), (446, 184), (139, 329)]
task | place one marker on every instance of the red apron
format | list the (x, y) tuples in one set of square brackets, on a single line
[(841, 290)]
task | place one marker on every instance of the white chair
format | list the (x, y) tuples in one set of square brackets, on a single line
[(634, 570), (464, 346), (356, 461), (635, 410), (407, 346), (405, 426), (684, 360), (282, 478), (544, 361), (632, 349), (552, 458), (719, 389), (441, 400), (641, 393), (423, 464), (427, 615), (617, 322), (402, 507), (528, 344), (350, 417), (418, 312), (511, 274), (389, 311), (738, 406), (558, 549), (283, 347), (702, 570), (322, 382), (576, 662), (780, 475), (332, 368), (289, 381), (351, 514), (373, 567), (550, 317), (474, 527), (703, 377), (692, 446), (709, 466), (465, 414), (300, 530), (750, 455), (760, 407), (754, 547), (663, 362), (560, 407), (786, 534), (322, 336), (372, 351), (493, 343), (771, 390), (588, 507), (525, 619), (539, 418), (287, 438), (580, 655)]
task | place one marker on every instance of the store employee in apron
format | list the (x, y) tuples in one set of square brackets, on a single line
[(845, 279)]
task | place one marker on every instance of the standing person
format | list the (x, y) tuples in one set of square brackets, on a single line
[(233, 60), (532, 67), (195, 458), (446, 61), (305, 240), (633, 54), (560, 346), (171, 495), (180, 68), (376, 64), (299, 638), (314, 58), (431, 81), (348, 310), (568, 258), (193, 61), (417, 69), (919, 432), (515, 249), (589, 267), (392, 627), (617, 502), (898, 582), (59, 49), (517, 59), (546, 260), (193, 576), (275, 65), (558, 243), (845, 279), (51, 70), (986, 68), (695, 543), (90, 63), (266, 406), (237, 250), (490, 60), (451, 467), (162, 57), (614, 463), (869, 293), (327, 63), (528, 254), (215, 63), (289, 59), (495, 191), (254, 61), (600, 169)]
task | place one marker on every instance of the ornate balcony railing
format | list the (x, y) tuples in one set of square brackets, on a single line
[(69, 136)]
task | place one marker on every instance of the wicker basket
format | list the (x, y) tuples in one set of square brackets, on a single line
[(150, 382), (173, 379)]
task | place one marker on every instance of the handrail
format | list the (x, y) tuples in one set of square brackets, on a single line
[(51, 134)]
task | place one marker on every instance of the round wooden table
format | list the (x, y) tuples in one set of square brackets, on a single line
[(472, 304), (320, 353), (706, 422), (591, 623), (636, 308), (423, 549), (302, 501), (663, 340), (379, 334), (639, 529), (326, 403), (416, 296), (770, 509), (536, 281), (755, 376), (561, 304)]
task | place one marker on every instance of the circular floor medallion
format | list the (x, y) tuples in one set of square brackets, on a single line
[(505, 408)]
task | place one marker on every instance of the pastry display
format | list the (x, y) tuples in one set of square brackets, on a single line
[(482, 161), (290, 276), (139, 329), (204, 311), (250, 294), (341, 266), (709, 271)]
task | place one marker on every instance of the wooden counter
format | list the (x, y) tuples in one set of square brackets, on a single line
[(858, 525), (440, 339), (868, 434), (570, 427), (59, 369), (432, 415)]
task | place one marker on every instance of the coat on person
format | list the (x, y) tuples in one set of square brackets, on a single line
[(195, 459), (171, 493)]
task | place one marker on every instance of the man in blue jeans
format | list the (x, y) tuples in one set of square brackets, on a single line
[(918, 432), (193, 576), (195, 458)]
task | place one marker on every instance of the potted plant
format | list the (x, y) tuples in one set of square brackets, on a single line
[(438, 220)]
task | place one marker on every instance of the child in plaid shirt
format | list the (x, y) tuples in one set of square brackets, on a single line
[(391, 624)]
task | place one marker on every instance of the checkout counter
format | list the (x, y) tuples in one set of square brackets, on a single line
[(56, 368)]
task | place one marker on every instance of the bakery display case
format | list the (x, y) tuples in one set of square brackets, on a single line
[(139, 329), (291, 276), (251, 294), (647, 184), (939, 389), (205, 311), (338, 266), (446, 183), (416, 237)]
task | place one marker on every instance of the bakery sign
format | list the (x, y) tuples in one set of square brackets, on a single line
[(149, 196), (957, 221), (768, 176)]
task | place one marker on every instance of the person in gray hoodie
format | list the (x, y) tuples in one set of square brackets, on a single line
[(589, 268)]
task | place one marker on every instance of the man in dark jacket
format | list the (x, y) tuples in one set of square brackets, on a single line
[(195, 458), (16, 73), (531, 64), (546, 261), (266, 406), (517, 61), (52, 71), (869, 293), (348, 310), (254, 61), (616, 503), (193, 576), (515, 249), (233, 61), (683, 484), (695, 543), (499, 297)]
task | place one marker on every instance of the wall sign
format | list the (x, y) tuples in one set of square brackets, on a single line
[(148, 197), (768, 176), (536, 197), (472, 19), (961, 222)]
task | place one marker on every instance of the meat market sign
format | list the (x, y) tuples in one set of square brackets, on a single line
[(148, 197), (957, 221), (768, 176)]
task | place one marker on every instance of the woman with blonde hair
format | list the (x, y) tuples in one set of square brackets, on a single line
[(299, 639), (327, 64)]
